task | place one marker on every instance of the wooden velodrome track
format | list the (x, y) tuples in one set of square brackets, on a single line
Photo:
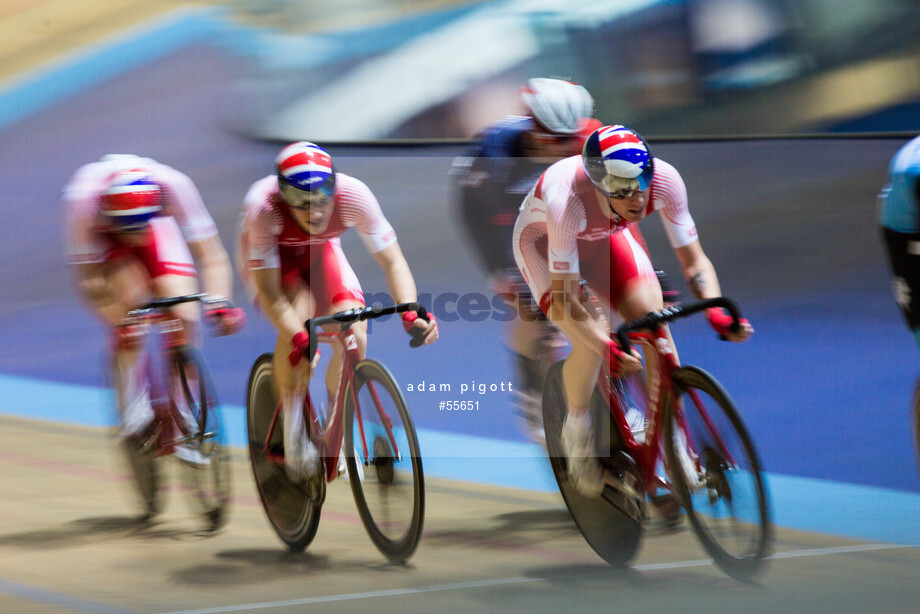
[(70, 540)]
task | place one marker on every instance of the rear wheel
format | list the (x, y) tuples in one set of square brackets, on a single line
[(203, 457), (611, 523), (292, 513), (716, 472), (384, 462)]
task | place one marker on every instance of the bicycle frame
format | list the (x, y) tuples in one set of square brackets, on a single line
[(328, 437), (648, 453), (170, 336)]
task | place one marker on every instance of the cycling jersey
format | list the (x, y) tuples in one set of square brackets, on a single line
[(184, 218), (270, 238), (561, 229)]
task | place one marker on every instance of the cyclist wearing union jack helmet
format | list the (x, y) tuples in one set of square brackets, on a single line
[(291, 257), (490, 179), (137, 229), (570, 228)]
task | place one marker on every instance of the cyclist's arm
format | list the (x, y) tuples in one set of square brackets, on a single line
[(399, 278), (214, 269), (274, 303), (698, 271), (568, 312), (704, 283), (94, 288)]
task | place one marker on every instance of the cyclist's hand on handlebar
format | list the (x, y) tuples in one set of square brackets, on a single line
[(621, 362), (422, 332), (301, 343), (721, 322), (225, 320)]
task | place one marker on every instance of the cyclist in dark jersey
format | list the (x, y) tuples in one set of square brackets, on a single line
[(491, 181)]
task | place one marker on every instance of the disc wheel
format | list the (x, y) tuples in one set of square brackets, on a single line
[(611, 523), (291, 512)]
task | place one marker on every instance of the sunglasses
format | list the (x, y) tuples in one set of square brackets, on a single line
[(304, 201)]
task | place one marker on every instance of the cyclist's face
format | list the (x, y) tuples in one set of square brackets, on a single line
[(549, 146), (629, 206), (311, 210)]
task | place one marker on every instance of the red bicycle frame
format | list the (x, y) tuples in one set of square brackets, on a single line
[(328, 437), (648, 453)]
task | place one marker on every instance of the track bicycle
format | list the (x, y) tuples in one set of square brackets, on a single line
[(693, 445), (369, 418), (186, 414)]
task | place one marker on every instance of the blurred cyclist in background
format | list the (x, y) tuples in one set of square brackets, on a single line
[(571, 226), (491, 181), (899, 217), (136, 229), (291, 258)]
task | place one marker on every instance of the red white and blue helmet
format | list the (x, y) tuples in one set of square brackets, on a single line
[(306, 166), (131, 198), (619, 152)]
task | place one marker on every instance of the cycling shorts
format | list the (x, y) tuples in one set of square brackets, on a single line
[(325, 271), (610, 267)]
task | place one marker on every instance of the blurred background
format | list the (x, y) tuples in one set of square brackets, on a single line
[(815, 95), (686, 68)]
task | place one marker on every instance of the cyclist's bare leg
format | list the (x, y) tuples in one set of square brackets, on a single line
[(335, 368), (127, 286), (301, 457)]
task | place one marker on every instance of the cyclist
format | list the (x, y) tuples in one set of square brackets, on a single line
[(570, 227), (291, 258), (135, 229), (899, 217), (503, 165)]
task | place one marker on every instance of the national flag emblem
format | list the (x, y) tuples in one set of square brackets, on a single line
[(305, 166), (130, 199), (624, 153)]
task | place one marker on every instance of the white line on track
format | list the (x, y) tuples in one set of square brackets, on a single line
[(459, 586)]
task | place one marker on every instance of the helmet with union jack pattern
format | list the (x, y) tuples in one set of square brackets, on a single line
[(616, 152), (131, 198), (307, 167)]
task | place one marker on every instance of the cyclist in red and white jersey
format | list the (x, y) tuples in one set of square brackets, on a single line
[(135, 229), (291, 257), (570, 227)]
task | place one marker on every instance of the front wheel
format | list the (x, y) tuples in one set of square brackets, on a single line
[(202, 451), (717, 473), (384, 461), (292, 513)]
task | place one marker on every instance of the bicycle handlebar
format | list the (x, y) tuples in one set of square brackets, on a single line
[(167, 302), (346, 318), (656, 318)]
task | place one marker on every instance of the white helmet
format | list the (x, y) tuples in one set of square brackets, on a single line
[(556, 105)]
